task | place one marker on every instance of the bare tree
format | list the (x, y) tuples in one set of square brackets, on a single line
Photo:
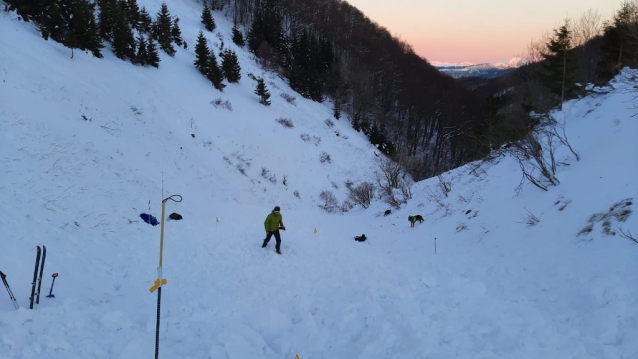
[(557, 129), (536, 48), (446, 185), (405, 187), (587, 27), (363, 194), (389, 174), (627, 235), (536, 161), (330, 203)]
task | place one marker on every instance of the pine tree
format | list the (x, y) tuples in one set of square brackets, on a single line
[(207, 19), (153, 58), (163, 30), (108, 9), (336, 109), (267, 27), (134, 14), (202, 53), (123, 40), (356, 123), (214, 74), (559, 64), (176, 32), (51, 23), (238, 38), (142, 51), (262, 92), (72, 25), (230, 66), (146, 23), (83, 30), (27, 9), (616, 42)]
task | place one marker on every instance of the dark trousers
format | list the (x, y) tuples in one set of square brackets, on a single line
[(277, 238)]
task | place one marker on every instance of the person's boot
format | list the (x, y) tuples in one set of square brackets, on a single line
[(264, 245), (278, 251)]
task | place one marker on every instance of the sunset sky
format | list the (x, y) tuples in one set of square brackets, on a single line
[(475, 30)]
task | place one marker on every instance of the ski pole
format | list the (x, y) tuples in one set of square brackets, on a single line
[(11, 296), (54, 275)]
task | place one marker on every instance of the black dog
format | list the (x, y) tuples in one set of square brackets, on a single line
[(360, 238), (414, 219), (387, 212)]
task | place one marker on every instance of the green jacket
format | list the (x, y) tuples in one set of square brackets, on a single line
[(273, 221)]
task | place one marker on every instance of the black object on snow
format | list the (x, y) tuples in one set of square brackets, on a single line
[(175, 216)]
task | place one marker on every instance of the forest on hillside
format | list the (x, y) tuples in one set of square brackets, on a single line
[(329, 50)]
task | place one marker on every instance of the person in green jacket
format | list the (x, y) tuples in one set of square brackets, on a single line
[(273, 223)]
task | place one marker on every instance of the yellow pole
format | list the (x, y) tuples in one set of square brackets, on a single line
[(162, 233), (158, 283)]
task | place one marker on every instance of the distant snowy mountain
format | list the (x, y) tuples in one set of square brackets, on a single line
[(486, 70)]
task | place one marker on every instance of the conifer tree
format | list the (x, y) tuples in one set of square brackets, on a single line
[(134, 14), (84, 29), (356, 123), (202, 53), (230, 66), (238, 37), (106, 15), (51, 23), (213, 73), (142, 51), (559, 64), (162, 30), (617, 41), (267, 27), (153, 58), (262, 92), (123, 40), (27, 9), (207, 19), (146, 23), (73, 25), (336, 109), (176, 33)]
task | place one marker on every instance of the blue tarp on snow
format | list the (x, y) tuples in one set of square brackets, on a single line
[(150, 219)]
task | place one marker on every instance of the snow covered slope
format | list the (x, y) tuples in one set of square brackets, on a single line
[(494, 288)]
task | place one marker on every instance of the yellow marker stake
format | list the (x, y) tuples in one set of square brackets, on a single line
[(296, 356), (160, 281), (315, 230), (156, 284)]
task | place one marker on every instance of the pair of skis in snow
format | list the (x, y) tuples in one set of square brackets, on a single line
[(37, 280), (36, 285)]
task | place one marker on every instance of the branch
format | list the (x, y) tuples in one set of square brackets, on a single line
[(627, 235)]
